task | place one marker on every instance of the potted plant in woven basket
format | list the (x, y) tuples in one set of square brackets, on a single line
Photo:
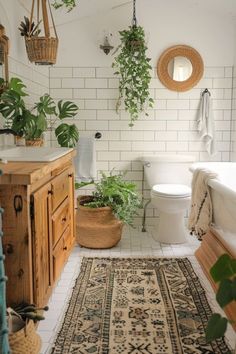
[(100, 217), (31, 123), (23, 338), (41, 49)]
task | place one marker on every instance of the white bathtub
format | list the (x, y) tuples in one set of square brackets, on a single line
[(223, 195)]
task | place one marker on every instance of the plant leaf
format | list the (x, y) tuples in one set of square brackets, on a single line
[(67, 109), (224, 268), (11, 104), (17, 85), (216, 327), (46, 105), (226, 292), (67, 135)]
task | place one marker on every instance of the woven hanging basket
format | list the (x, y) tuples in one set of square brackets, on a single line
[(42, 50), (96, 227), (25, 341)]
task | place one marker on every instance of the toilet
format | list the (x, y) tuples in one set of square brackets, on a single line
[(169, 178)]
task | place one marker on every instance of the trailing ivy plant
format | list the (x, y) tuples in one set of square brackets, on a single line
[(68, 4), (133, 67), (223, 272)]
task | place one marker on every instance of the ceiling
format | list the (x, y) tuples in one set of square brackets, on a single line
[(87, 8)]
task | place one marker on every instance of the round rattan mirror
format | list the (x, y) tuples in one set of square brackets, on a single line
[(180, 68)]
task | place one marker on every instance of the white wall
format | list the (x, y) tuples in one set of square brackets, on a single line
[(36, 78), (233, 122), (84, 74), (167, 23)]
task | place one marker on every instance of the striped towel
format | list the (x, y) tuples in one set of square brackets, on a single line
[(201, 207)]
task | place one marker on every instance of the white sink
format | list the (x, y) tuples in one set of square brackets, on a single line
[(32, 154)]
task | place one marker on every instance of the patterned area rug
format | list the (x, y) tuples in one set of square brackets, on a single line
[(136, 306)]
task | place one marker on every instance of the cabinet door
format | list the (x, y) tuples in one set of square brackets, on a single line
[(41, 231)]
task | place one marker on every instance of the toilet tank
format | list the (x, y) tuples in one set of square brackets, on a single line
[(165, 168)]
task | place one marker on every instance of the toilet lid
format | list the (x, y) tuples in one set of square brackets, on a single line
[(171, 190)]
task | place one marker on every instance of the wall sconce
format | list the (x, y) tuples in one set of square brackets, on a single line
[(106, 46)]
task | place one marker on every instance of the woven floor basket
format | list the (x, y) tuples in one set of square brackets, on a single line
[(97, 227), (42, 50), (25, 341)]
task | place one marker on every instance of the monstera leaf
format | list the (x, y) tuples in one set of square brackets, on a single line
[(67, 135), (11, 104), (46, 105), (67, 109), (17, 86)]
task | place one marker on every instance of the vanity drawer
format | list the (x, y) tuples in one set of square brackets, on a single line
[(60, 190), (60, 221), (60, 253)]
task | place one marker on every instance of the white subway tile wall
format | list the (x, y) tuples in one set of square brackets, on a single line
[(36, 78), (233, 122), (170, 126)]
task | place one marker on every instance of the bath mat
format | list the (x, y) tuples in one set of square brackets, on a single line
[(136, 306)]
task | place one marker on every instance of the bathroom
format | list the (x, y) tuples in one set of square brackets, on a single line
[(83, 74)]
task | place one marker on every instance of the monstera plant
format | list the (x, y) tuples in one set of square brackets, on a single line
[(31, 123), (133, 67)]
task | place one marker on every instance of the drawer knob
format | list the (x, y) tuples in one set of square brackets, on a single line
[(20, 273), (64, 219), (70, 175), (65, 248), (50, 192), (9, 249)]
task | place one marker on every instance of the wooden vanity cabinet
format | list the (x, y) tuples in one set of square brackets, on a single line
[(38, 226)]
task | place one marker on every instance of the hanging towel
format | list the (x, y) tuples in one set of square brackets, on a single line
[(201, 207), (85, 160), (205, 123)]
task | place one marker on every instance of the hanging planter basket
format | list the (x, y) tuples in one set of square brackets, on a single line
[(42, 50)]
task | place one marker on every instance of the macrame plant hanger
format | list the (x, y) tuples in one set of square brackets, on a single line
[(42, 50), (134, 20)]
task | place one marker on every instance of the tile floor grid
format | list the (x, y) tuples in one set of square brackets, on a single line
[(134, 243)]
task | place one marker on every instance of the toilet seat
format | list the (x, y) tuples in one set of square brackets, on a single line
[(171, 190)]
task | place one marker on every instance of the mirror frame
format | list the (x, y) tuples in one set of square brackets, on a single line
[(4, 41), (184, 51)]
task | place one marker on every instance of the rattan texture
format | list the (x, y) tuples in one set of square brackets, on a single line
[(184, 51)]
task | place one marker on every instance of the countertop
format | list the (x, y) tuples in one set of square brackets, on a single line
[(26, 173)]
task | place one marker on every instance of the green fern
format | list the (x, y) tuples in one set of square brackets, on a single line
[(120, 195)]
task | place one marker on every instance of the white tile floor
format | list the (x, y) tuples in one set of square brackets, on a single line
[(134, 243)]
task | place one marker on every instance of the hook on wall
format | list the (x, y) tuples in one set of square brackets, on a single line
[(206, 91)]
